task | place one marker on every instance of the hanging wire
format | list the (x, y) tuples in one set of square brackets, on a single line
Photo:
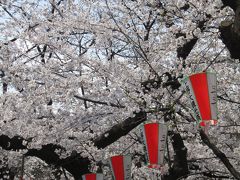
[(215, 58), (202, 56)]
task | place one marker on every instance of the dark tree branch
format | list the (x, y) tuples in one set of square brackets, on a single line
[(230, 38), (230, 30), (15, 143), (213, 175), (120, 130), (180, 165), (156, 83), (228, 100), (75, 164), (11, 40), (151, 83), (184, 51), (42, 52), (220, 155), (4, 87), (231, 3)]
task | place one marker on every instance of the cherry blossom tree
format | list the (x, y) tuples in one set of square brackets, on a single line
[(79, 77)]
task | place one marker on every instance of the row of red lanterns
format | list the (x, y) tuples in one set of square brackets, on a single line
[(201, 88), (154, 136)]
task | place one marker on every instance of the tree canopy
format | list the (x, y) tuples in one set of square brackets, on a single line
[(78, 77)]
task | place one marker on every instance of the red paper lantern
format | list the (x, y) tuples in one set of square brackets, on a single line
[(154, 136), (121, 167), (92, 176), (202, 89)]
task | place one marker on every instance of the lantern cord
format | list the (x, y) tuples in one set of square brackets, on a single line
[(64, 172), (128, 147), (154, 176), (214, 59), (202, 53), (206, 128)]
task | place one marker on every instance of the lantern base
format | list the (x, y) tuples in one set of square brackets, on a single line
[(155, 166), (204, 123)]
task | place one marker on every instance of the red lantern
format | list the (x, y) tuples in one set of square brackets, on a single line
[(121, 167), (92, 176), (202, 89), (154, 136)]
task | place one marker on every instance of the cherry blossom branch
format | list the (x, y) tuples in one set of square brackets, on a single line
[(211, 174), (219, 154), (98, 102), (229, 100)]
